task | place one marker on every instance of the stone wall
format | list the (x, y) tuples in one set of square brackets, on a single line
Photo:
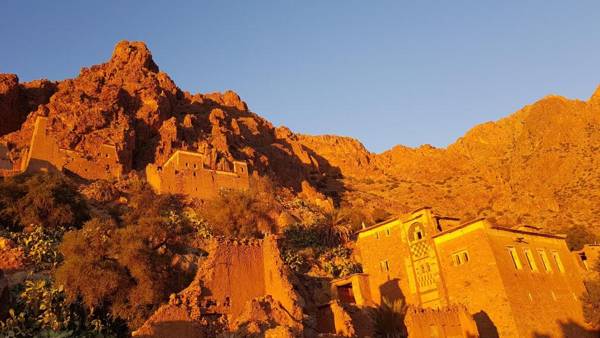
[(454, 321), (186, 173), (44, 155)]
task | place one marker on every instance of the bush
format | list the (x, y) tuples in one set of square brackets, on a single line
[(578, 236), (50, 200), (40, 245), (41, 309), (236, 213), (338, 262)]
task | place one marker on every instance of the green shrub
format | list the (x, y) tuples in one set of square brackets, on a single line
[(40, 245), (578, 236), (41, 309), (338, 262)]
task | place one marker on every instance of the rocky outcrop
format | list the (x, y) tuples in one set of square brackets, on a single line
[(130, 104)]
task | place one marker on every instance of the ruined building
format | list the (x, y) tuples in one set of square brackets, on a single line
[(185, 172), (189, 173), (45, 155), (242, 287), (515, 282)]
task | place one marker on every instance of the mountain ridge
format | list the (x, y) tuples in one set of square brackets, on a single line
[(537, 165)]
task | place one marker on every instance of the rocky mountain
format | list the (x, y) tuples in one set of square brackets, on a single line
[(129, 103), (538, 166)]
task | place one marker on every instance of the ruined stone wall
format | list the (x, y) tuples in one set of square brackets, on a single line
[(237, 281), (45, 155), (234, 274), (477, 283), (448, 322), (186, 173)]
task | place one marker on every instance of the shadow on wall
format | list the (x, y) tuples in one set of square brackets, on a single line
[(571, 329), (485, 325), (390, 290)]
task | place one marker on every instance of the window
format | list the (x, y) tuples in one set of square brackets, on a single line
[(515, 258), (559, 263), (385, 266), (419, 235), (545, 260), (530, 260), (460, 258), (388, 232), (377, 235), (584, 259)]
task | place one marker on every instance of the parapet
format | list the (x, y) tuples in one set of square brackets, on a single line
[(451, 321)]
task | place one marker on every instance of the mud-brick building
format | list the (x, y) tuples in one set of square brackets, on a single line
[(45, 155), (188, 173), (515, 282)]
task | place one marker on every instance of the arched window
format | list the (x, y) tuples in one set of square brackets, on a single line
[(416, 232)]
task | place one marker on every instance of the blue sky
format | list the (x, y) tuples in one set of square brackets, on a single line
[(385, 72)]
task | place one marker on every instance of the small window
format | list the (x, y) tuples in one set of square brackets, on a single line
[(515, 258), (530, 260), (559, 263), (584, 259), (419, 235), (377, 235), (388, 232), (385, 266), (545, 261), (460, 258)]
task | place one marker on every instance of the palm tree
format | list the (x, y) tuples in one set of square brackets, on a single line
[(388, 319)]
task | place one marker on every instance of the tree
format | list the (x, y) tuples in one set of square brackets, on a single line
[(238, 213), (578, 236), (388, 319), (335, 228), (591, 298), (50, 200), (123, 268)]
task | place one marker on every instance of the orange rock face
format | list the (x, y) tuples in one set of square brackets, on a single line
[(538, 166), (129, 103)]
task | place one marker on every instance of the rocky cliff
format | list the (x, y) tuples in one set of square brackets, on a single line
[(537, 166), (129, 103)]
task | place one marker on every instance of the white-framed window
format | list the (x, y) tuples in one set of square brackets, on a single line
[(515, 258), (558, 262), (460, 257), (545, 260), (530, 260)]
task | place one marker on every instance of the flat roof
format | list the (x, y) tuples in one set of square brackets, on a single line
[(501, 228), (404, 217)]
